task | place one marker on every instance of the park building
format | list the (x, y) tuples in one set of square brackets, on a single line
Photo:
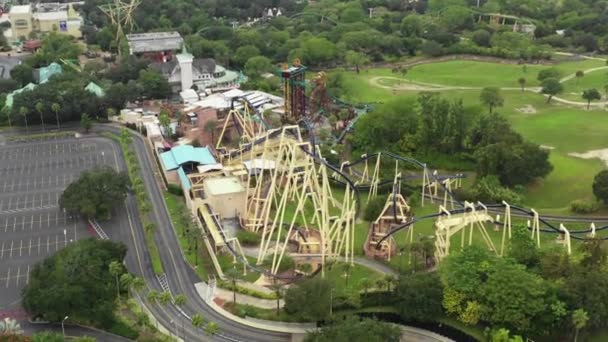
[(43, 18)]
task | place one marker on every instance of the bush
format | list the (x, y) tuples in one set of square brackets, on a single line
[(374, 208), (248, 238), (175, 189), (548, 73), (584, 206), (122, 329), (489, 190), (287, 263)]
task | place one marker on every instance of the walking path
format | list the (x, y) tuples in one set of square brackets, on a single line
[(408, 85)]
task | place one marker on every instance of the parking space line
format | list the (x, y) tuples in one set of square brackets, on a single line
[(10, 200), (1, 203), (23, 223), (8, 276), (27, 277), (56, 218), (48, 224), (32, 223), (48, 238), (11, 254), (18, 273), (40, 221), (20, 247), (14, 224), (56, 243), (2, 253), (38, 245), (29, 251), (6, 225)]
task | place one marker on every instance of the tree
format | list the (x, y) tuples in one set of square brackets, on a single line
[(522, 82), (600, 186), (491, 97), (180, 299), (233, 275), (116, 270), (277, 287), (210, 127), (164, 297), (197, 320), (522, 248), (40, 109), (55, 107), (152, 296), (353, 328), (356, 59), (211, 329), (23, 73), (244, 53), (551, 87), (590, 95), (587, 289), (256, 66), (154, 85), (95, 193), (366, 283), (75, 280), (126, 282), (24, 112), (309, 300), (86, 122), (579, 320), (578, 75), (165, 123), (481, 38), (418, 297), (548, 73)]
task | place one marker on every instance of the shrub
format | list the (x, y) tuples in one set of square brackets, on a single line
[(175, 189), (374, 208), (248, 238), (548, 73), (584, 207)]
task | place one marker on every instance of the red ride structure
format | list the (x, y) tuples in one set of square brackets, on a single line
[(294, 90)]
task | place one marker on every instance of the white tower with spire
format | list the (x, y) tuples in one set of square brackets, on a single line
[(185, 66)]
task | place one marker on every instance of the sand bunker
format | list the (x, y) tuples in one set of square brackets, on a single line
[(527, 109), (593, 154)]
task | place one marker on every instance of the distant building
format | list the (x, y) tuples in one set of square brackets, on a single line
[(184, 71), (157, 46), (44, 17)]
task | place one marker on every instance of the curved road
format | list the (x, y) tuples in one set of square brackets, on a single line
[(180, 276)]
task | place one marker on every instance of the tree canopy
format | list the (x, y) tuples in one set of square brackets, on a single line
[(75, 281), (95, 193), (352, 328), (309, 300)]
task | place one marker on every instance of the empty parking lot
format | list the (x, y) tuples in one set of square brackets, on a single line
[(32, 226)]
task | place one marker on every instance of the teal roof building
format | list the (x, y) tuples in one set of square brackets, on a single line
[(184, 155)]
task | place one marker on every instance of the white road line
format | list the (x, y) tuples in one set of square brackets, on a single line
[(15, 224), (32, 223), (38, 245), (27, 277), (11, 254), (18, 272), (49, 220), (10, 200), (20, 247), (1, 203), (56, 243), (6, 225), (48, 243), (23, 223), (2, 253), (29, 251), (8, 276), (40, 221)]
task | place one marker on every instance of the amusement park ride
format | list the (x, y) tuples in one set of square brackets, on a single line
[(303, 206)]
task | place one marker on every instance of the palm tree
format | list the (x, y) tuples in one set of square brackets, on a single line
[(198, 320), (116, 270), (23, 111), (277, 287), (9, 326), (164, 297), (40, 109), (522, 82), (56, 108), (126, 280), (233, 275), (145, 207), (86, 122), (579, 319), (179, 300), (137, 283), (211, 329), (152, 296)]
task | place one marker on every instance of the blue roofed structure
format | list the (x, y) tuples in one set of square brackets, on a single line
[(186, 155), (184, 179)]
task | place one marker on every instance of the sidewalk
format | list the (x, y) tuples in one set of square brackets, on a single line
[(284, 327), (227, 295)]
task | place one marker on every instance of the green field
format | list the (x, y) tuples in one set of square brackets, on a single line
[(562, 128), (573, 88)]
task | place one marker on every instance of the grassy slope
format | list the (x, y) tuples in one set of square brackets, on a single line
[(566, 129)]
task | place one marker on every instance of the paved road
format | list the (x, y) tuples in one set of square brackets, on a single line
[(72, 330), (32, 227), (180, 276)]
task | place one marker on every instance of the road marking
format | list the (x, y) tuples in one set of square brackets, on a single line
[(15, 224), (48, 220), (32, 223), (10, 200), (27, 277), (18, 272), (56, 243), (48, 238), (2, 253), (11, 254), (8, 276), (38, 245), (23, 223), (29, 251), (20, 247)]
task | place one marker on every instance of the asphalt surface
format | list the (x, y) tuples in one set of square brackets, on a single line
[(32, 227), (181, 278)]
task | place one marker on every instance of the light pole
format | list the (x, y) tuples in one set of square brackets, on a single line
[(62, 327)]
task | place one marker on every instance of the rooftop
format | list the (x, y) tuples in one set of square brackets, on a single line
[(21, 9), (154, 41), (95, 89), (182, 154), (51, 16), (223, 186)]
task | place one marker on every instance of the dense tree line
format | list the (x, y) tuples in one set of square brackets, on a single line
[(440, 131)]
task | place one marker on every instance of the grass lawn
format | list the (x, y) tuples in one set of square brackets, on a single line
[(574, 87), (565, 129)]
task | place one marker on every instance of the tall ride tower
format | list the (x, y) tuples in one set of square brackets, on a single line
[(294, 89)]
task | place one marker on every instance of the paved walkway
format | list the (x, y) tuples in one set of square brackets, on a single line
[(227, 296)]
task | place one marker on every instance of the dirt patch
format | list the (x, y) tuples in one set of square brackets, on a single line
[(527, 109), (593, 154), (547, 147)]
